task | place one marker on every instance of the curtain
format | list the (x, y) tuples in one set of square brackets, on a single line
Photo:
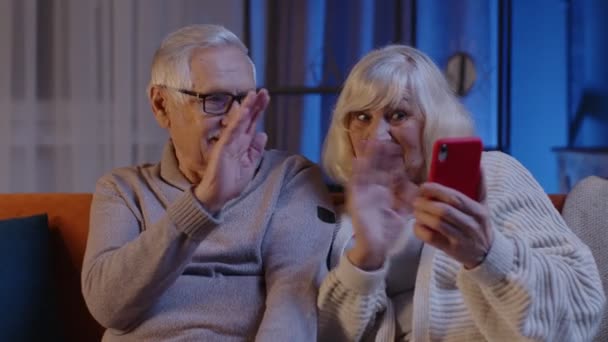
[(472, 28), (73, 75), (305, 51)]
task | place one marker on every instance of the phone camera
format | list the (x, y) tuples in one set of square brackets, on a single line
[(443, 152)]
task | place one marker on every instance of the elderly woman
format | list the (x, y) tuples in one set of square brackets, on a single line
[(417, 261)]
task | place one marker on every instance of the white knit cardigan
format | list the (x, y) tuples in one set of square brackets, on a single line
[(539, 282)]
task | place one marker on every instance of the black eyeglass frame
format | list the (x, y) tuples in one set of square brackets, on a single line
[(203, 99)]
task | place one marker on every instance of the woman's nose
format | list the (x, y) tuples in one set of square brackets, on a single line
[(381, 130)]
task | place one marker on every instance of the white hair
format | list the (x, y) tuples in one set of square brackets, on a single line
[(381, 80), (171, 63)]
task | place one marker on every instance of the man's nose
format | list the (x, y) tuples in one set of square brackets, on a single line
[(224, 120)]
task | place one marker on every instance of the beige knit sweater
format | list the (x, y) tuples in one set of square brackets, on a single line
[(539, 281), (158, 267)]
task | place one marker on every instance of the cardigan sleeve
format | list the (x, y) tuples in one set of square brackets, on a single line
[(539, 281), (352, 302)]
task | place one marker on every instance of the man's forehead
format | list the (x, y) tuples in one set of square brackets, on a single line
[(224, 69), (235, 85)]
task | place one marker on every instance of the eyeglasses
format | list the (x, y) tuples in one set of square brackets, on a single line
[(215, 103)]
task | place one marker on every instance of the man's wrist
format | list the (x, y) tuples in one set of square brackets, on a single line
[(211, 204)]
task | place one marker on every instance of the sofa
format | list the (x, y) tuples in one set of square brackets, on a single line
[(68, 220)]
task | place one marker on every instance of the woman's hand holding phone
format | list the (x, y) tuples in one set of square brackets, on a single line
[(454, 223), (447, 211)]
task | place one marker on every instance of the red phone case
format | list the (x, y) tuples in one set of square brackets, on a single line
[(456, 164)]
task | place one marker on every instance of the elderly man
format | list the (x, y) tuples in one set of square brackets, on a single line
[(221, 240)]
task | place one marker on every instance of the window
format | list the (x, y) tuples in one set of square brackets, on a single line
[(304, 51)]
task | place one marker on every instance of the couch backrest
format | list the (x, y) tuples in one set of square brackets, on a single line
[(69, 221)]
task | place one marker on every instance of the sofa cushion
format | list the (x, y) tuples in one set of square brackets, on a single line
[(26, 290), (68, 216), (585, 213)]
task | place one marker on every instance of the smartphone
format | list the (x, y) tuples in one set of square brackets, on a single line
[(456, 163)]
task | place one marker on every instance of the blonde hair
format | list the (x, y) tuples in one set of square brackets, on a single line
[(382, 79), (171, 62)]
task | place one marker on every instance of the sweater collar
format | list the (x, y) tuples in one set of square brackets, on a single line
[(170, 172), (169, 168)]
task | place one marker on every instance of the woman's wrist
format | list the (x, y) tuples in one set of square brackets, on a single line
[(365, 260)]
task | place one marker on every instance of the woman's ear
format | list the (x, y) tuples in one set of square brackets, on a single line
[(159, 103)]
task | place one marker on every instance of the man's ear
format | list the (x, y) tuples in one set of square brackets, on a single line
[(159, 104)]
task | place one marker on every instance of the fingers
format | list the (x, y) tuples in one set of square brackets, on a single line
[(244, 120), (251, 111), (379, 163), (257, 146), (362, 166), (257, 110), (452, 222), (453, 207), (444, 212), (392, 153), (359, 171), (482, 186), (436, 224), (468, 251), (453, 198), (383, 155), (431, 237), (237, 120)]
